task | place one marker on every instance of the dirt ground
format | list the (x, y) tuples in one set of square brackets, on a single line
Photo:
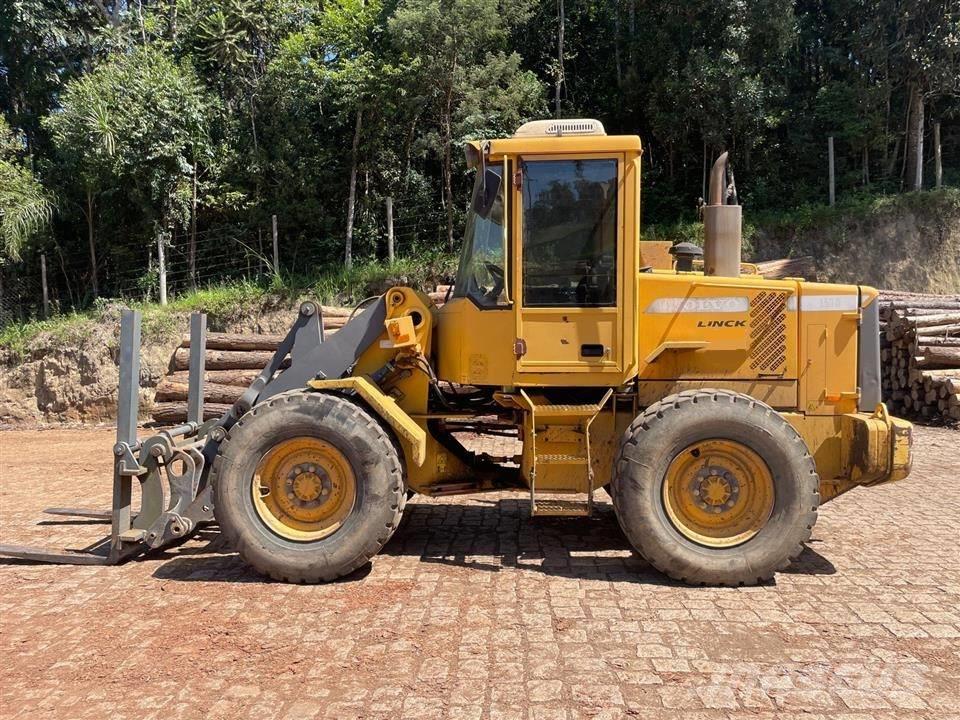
[(475, 611)]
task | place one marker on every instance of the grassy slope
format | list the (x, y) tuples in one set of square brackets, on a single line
[(228, 302)]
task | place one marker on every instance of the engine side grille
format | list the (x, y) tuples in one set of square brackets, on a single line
[(768, 332)]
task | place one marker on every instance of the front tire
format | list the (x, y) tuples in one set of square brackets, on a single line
[(308, 487), (715, 488)]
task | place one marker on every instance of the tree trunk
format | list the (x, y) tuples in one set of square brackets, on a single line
[(831, 177), (937, 157), (703, 190), (66, 277), (352, 197), (93, 250), (253, 128), (560, 57), (193, 230), (616, 42), (173, 20), (892, 163), (447, 169), (914, 169)]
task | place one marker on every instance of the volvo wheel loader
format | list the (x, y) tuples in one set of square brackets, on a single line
[(718, 410)]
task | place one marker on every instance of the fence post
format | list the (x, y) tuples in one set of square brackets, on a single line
[(43, 281), (833, 188), (276, 247), (937, 157), (162, 262), (390, 230)]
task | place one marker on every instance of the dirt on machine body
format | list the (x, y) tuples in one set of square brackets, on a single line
[(718, 409)]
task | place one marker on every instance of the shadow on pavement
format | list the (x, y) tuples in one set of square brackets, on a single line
[(482, 535)]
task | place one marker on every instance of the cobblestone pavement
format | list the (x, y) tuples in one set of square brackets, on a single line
[(475, 611)]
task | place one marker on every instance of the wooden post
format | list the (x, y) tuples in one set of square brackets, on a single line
[(43, 281), (390, 230), (937, 157), (162, 262), (276, 246), (833, 188)]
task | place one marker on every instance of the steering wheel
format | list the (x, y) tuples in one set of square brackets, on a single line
[(499, 280)]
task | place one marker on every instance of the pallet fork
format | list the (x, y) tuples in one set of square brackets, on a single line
[(172, 466)]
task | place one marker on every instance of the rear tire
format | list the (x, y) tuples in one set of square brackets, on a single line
[(354, 465), (715, 488)]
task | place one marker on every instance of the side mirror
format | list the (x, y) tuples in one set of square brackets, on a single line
[(483, 200)]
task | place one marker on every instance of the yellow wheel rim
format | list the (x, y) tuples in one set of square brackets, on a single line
[(718, 493), (304, 489)]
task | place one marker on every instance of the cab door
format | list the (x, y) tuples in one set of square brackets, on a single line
[(568, 279)]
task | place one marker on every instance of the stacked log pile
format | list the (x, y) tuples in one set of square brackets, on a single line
[(920, 354), (232, 362)]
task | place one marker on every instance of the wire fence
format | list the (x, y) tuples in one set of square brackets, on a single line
[(130, 269)]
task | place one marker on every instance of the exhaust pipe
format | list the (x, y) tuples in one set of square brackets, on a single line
[(722, 223)]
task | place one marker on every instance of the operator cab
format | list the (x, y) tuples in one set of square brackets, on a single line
[(546, 269)]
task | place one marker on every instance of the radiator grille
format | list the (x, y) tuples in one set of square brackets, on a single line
[(768, 332)]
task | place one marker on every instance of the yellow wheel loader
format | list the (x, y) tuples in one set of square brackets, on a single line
[(717, 409)]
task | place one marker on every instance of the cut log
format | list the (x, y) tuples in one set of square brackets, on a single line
[(241, 378), (948, 357), (944, 330), (938, 340), (225, 359), (172, 413), (234, 341), (212, 393), (921, 304)]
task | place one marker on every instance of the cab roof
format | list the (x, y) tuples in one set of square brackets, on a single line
[(546, 137)]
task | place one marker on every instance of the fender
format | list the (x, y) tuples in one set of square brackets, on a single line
[(386, 408)]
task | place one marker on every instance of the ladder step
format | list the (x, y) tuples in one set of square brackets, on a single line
[(567, 410), (554, 507), (560, 459)]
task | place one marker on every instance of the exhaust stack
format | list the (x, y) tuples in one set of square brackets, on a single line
[(722, 223)]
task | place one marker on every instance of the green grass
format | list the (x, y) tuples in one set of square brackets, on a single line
[(62, 329)]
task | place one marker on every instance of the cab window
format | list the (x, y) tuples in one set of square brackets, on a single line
[(569, 233), (481, 276)]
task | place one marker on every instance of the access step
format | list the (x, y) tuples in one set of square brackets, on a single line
[(561, 459), (570, 411), (556, 507)]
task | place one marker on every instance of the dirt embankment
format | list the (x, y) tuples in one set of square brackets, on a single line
[(908, 242), (71, 374)]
